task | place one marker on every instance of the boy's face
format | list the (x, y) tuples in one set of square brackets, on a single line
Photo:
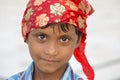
[(51, 48)]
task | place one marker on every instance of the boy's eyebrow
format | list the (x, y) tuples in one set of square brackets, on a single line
[(65, 35), (60, 33)]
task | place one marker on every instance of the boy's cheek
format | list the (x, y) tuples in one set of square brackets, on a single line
[(67, 50)]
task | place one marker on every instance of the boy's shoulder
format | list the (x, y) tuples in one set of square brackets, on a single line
[(24, 74), (16, 76), (77, 77)]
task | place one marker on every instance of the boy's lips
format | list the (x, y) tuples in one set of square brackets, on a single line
[(50, 60)]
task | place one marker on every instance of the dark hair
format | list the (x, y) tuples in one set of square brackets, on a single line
[(64, 27)]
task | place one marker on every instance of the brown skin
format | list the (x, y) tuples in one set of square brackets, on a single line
[(51, 51)]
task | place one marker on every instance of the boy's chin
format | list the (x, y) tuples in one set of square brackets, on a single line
[(49, 71)]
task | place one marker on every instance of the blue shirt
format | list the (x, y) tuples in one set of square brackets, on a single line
[(27, 75)]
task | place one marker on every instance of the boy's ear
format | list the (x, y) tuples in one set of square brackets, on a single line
[(78, 42)]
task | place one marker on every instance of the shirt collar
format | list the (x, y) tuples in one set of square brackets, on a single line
[(27, 75), (68, 75)]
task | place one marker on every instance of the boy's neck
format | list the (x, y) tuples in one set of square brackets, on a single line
[(39, 75)]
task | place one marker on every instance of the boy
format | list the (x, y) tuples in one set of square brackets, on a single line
[(54, 30)]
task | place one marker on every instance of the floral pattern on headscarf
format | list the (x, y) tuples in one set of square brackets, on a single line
[(39, 13), (42, 20), (81, 22), (28, 14), (57, 9), (72, 5), (38, 2)]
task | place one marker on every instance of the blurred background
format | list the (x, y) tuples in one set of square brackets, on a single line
[(103, 41)]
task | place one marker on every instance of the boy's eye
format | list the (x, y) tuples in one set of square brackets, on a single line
[(64, 39), (42, 37)]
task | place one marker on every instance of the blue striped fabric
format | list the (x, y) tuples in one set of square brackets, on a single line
[(27, 75)]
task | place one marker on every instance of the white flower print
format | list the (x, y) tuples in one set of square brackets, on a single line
[(28, 14), (81, 22), (57, 9), (72, 5), (42, 20), (38, 2)]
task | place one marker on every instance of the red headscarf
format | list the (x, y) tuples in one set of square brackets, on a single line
[(41, 12)]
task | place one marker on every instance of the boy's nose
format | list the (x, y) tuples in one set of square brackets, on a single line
[(51, 49)]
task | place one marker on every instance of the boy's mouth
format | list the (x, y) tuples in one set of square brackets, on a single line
[(50, 60)]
